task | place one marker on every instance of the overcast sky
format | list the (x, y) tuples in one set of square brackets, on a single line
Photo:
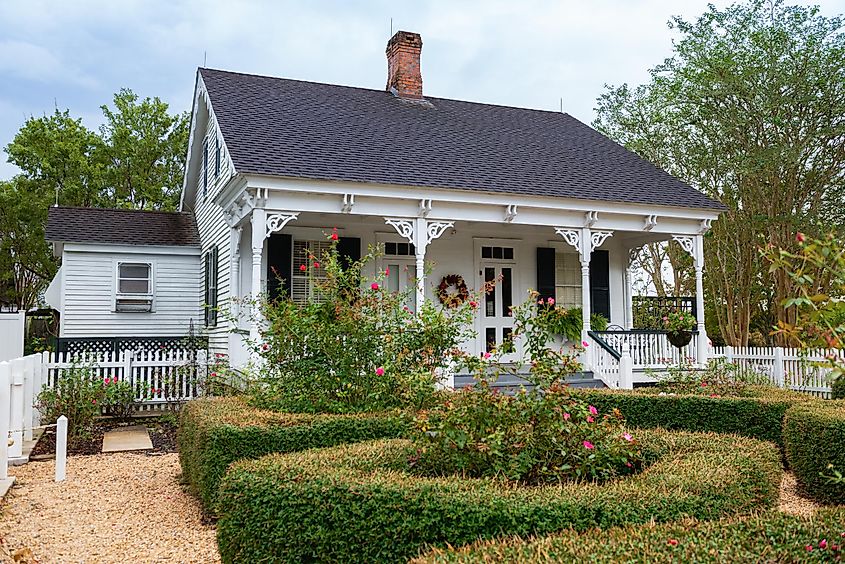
[(76, 53)]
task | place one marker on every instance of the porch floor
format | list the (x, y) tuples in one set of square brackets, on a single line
[(511, 383)]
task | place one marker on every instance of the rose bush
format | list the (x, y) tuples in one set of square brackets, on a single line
[(355, 346)]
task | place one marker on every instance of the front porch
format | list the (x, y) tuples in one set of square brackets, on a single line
[(582, 259)]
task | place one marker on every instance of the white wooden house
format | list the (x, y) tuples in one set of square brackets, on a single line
[(475, 190)]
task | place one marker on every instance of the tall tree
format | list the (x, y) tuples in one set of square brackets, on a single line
[(136, 160), (750, 109)]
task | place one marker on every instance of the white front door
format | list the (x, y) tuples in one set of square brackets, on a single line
[(497, 266)]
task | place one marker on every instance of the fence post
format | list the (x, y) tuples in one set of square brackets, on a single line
[(5, 415), (28, 384), (779, 372), (126, 360), (200, 385), (16, 405), (729, 354), (626, 368), (61, 448)]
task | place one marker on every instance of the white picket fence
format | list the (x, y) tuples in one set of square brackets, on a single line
[(796, 369)]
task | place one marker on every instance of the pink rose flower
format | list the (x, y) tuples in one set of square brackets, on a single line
[(374, 286), (588, 445), (809, 548), (800, 237), (379, 371), (628, 437), (823, 543), (590, 419), (585, 344), (550, 301), (387, 271), (334, 235), (473, 304), (593, 411), (302, 268), (265, 347), (486, 355), (566, 416), (540, 301), (673, 542), (316, 265)]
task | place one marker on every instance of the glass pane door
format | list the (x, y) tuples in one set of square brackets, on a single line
[(497, 319)]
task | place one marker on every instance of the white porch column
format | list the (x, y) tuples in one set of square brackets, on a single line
[(703, 341), (585, 251), (629, 287), (259, 233), (235, 264), (420, 232), (694, 245)]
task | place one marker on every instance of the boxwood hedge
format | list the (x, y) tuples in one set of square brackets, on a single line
[(768, 537), (214, 432), (361, 503), (759, 416), (814, 437)]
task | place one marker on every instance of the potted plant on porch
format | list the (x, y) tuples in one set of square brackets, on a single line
[(678, 326)]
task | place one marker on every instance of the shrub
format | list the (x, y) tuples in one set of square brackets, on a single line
[(214, 432), (838, 387), (77, 395), (355, 346), (814, 440), (360, 503), (719, 379), (118, 398), (759, 417), (532, 437), (768, 537)]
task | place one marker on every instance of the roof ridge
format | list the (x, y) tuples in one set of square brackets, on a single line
[(130, 210), (379, 90)]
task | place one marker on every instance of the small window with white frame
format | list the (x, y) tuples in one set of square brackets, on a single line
[(134, 292), (304, 282), (567, 279)]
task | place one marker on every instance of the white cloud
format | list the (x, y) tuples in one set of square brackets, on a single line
[(34, 62)]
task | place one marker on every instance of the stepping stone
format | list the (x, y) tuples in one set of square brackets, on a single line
[(135, 437)]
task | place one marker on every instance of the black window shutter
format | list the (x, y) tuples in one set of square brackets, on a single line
[(207, 285), (546, 272), (213, 293), (349, 249), (600, 283), (279, 265)]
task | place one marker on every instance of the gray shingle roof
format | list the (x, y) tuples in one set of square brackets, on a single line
[(281, 127), (121, 227)]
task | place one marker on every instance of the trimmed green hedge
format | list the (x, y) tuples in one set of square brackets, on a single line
[(769, 537), (360, 503), (214, 432), (758, 417), (814, 437)]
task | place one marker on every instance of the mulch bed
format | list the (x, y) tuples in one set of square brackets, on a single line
[(162, 435)]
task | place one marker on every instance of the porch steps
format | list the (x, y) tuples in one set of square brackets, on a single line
[(511, 383)]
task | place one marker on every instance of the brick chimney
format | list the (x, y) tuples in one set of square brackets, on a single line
[(404, 78)]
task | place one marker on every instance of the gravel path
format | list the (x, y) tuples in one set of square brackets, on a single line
[(791, 501), (113, 508)]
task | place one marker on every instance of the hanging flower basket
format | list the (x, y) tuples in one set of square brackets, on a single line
[(679, 339)]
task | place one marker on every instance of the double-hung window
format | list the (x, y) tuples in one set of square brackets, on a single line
[(304, 282), (134, 292), (567, 279)]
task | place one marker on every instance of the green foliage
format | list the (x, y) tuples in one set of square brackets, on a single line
[(351, 349), (838, 387), (814, 441), (817, 273), (135, 161), (77, 395), (769, 537), (719, 379), (530, 437), (676, 321), (360, 503), (759, 416), (214, 432), (747, 109), (118, 398), (569, 322)]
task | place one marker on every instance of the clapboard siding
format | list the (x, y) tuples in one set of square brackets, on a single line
[(214, 230), (89, 279)]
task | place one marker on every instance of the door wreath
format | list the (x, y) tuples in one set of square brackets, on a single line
[(452, 290)]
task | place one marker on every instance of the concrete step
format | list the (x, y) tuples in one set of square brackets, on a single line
[(509, 383)]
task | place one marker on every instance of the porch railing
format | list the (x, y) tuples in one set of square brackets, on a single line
[(649, 310), (605, 360), (649, 348)]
